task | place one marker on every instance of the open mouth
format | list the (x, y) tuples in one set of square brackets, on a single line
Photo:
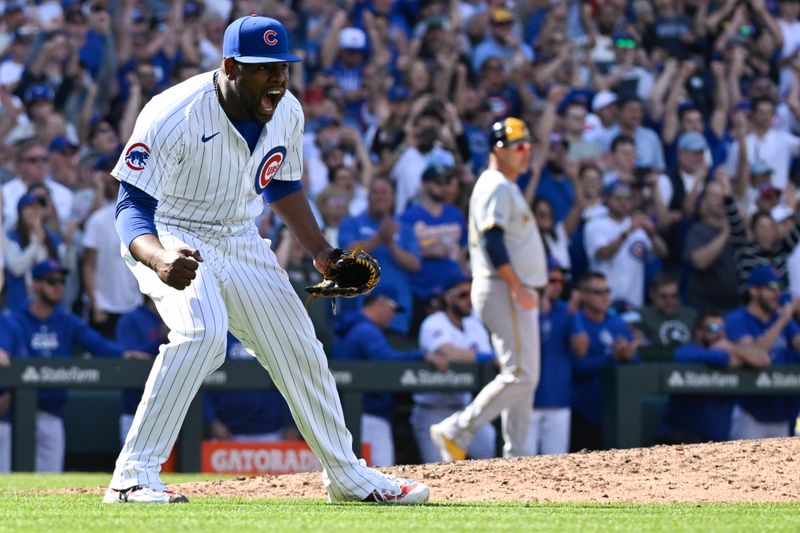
[(270, 100)]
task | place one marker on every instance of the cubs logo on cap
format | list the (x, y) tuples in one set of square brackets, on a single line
[(269, 167), (137, 155), (508, 132), (257, 39)]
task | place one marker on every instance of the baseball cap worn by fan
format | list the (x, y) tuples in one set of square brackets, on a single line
[(30, 199), (603, 99), (508, 132), (352, 39), (383, 290), (763, 276), (39, 92), (692, 141), (436, 173), (47, 267), (255, 39)]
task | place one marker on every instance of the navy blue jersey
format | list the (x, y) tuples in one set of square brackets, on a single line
[(555, 381), (739, 323), (587, 372)]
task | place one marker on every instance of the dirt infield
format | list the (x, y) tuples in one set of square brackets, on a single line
[(741, 471)]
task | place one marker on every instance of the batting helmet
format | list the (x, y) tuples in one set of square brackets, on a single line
[(508, 132), (257, 39)]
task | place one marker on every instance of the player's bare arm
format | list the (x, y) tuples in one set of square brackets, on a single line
[(176, 267), (294, 211)]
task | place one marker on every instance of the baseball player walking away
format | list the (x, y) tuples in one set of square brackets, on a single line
[(192, 176), (508, 265)]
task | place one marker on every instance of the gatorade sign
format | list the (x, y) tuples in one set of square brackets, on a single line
[(259, 458)]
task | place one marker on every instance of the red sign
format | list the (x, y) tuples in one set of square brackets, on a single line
[(282, 457)]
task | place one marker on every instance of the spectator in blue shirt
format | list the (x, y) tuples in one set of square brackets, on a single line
[(441, 231), (502, 42), (764, 324), (611, 343), (693, 419), (562, 333), (360, 337), (388, 240), (261, 416), (49, 331)]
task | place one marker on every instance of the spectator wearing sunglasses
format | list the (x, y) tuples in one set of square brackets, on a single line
[(666, 322), (694, 419), (766, 324), (441, 230), (611, 343), (49, 331)]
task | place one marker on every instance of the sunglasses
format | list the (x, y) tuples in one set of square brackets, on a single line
[(599, 292), (54, 282), (556, 280)]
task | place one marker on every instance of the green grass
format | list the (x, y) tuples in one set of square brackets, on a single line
[(23, 510)]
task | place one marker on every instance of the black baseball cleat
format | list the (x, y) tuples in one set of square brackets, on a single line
[(141, 494)]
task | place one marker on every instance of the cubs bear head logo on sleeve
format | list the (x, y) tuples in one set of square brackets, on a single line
[(137, 155), (269, 167)]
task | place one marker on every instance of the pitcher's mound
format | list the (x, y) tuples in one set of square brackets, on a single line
[(740, 471)]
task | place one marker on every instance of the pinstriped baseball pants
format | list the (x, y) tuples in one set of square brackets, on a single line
[(239, 287)]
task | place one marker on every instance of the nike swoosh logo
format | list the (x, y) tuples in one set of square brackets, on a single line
[(206, 139)]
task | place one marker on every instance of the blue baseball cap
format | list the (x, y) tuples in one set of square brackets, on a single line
[(763, 276), (255, 39), (30, 199), (39, 92), (691, 141), (60, 143), (47, 267), (399, 93), (454, 279), (387, 291)]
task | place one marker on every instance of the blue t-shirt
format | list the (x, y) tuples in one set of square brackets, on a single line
[(450, 228), (55, 337), (587, 371), (141, 330), (246, 412), (708, 417), (358, 338), (559, 192), (555, 381), (740, 323), (354, 230)]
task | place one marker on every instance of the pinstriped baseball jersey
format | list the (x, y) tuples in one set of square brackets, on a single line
[(186, 154)]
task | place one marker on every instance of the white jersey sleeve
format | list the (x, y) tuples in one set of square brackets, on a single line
[(494, 206), (294, 122), (435, 331), (154, 150)]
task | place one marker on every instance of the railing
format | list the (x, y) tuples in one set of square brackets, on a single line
[(25, 376), (624, 389)]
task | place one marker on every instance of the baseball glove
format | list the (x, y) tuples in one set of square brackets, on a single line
[(350, 273)]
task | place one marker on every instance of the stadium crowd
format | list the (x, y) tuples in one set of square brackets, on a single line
[(663, 181)]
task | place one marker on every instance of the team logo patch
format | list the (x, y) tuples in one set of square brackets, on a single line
[(638, 250), (269, 166), (137, 155), (269, 37)]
